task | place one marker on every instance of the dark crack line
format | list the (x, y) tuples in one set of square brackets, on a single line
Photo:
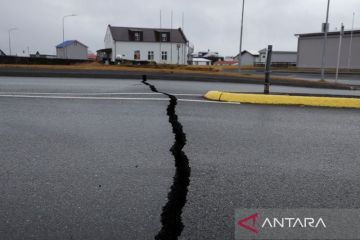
[(172, 225)]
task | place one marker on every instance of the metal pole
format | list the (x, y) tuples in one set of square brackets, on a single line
[(326, 28), (183, 21), (171, 45), (241, 33), (339, 53), (63, 28), (351, 42), (63, 23), (160, 50), (9, 31), (268, 70), (9, 43)]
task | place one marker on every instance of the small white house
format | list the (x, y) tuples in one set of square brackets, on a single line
[(164, 46), (248, 58), (72, 49), (278, 57), (201, 62)]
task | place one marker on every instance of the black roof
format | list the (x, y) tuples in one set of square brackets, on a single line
[(2, 53), (121, 34), (333, 33)]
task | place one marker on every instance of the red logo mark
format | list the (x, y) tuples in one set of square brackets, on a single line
[(247, 227)]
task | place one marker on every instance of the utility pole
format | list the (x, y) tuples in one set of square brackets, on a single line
[(63, 24), (268, 71), (171, 45), (339, 52), (183, 21), (160, 49), (351, 42), (241, 33), (325, 29), (10, 30)]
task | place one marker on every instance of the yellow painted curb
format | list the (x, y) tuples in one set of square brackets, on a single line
[(336, 102)]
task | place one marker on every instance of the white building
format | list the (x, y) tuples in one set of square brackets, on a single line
[(72, 49), (310, 48), (164, 46), (278, 57), (248, 58), (201, 62)]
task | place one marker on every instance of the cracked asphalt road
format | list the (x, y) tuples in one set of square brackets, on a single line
[(100, 167)]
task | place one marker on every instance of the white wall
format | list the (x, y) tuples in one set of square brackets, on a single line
[(109, 42), (310, 52), (278, 57), (247, 59), (127, 50), (73, 51)]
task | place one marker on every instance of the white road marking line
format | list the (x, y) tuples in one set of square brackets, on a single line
[(95, 94), (111, 98)]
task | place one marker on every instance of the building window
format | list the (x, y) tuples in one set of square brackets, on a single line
[(151, 55), (137, 36), (164, 37), (137, 55), (164, 56)]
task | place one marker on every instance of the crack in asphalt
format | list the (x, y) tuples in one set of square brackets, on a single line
[(172, 225)]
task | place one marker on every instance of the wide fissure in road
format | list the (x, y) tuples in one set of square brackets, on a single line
[(171, 221), (61, 139)]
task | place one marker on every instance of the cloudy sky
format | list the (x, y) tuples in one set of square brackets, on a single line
[(209, 24)]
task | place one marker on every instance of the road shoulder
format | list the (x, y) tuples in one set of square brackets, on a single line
[(277, 99)]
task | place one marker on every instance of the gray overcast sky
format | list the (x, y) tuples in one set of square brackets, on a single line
[(209, 24)]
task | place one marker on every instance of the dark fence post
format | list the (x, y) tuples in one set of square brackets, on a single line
[(268, 70)]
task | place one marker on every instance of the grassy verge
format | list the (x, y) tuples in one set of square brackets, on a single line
[(204, 71)]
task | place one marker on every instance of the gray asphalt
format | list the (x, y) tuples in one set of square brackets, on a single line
[(74, 167)]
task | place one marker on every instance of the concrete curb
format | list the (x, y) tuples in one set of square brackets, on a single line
[(203, 77), (315, 101)]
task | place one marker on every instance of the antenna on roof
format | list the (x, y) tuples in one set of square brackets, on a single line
[(351, 42), (160, 19), (182, 21), (172, 15), (171, 27)]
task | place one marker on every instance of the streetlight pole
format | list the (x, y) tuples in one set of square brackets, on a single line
[(241, 33), (63, 24), (10, 30), (339, 52), (326, 28), (351, 42)]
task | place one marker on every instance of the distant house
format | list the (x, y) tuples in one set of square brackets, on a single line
[(164, 46), (280, 58), (248, 58), (39, 55), (201, 62), (213, 56), (2, 53), (72, 49), (310, 49)]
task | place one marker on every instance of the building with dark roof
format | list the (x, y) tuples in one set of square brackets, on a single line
[(72, 49), (310, 49), (2, 53), (166, 46)]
